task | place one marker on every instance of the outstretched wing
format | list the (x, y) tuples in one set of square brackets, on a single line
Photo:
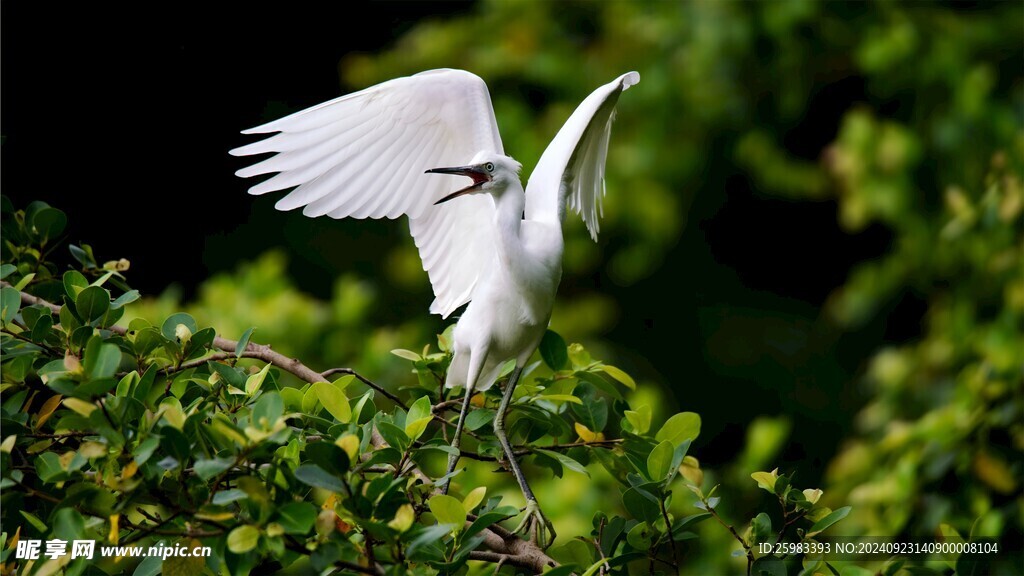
[(571, 170), (363, 155)]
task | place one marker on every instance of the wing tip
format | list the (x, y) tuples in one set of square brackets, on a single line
[(631, 78)]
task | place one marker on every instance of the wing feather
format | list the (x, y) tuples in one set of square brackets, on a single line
[(571, 170), (364, 155)]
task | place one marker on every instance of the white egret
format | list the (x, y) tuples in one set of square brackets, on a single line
[(378, 153)]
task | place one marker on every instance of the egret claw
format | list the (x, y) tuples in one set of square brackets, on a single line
[(536, 525)]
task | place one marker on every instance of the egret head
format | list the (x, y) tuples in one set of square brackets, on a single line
[(491, 173)]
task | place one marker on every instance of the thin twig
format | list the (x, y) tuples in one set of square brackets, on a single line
[(746, 547), (387, 394), (60, 435)]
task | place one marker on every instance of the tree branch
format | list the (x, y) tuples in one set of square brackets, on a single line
[(387, 394)]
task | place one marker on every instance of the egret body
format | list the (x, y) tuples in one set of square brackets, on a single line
[(400, 148)]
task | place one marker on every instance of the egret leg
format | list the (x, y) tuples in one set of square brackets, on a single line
[(534, 520), (453, 459)]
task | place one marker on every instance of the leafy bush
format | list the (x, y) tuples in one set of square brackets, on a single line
[(167, 434)]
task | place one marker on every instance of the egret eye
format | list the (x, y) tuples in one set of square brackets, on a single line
[(489, 167)]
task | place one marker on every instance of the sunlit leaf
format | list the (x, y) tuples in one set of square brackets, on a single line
[(619, 375), (474, 498), (243, 538), (659, 463), (680, 428), (448, 510), (255, 381), (334, 400)]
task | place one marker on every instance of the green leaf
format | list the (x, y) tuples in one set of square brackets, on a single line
[(243, 538), (48, 223), (824, 523), (640, 536), (479, 418), (175, 443), (207, 469), (554, 351), (125, 383), (297, 517), (25, 281), (559, 398), (243, 342), (83, 254), (228, 496), (639, 419), (448, 510), (334, 400), (267, 410), (170, 325), (659, 463), (292, 398), (230, 375), (101, 359), (419, 416), (415, 428), (421, 408), (486, 519), (407, 354), (49, 468), (768, 566), (574, 552), (564, 460), (579, 357), (592, 412), (92, 303), (474, 498), (125, 299), (151, 566), (145, 449), (310, 400), (642, 504), (762, 527), (6, 270), (680, 428), (145, 384), (35, 522), (74, 283), (766, 480), (328, 456), (314, 475), (10, 303), (425, 537), (619, 375), (394, 435), (255, 381)]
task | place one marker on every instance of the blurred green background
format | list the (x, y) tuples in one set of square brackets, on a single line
[(812, 235)]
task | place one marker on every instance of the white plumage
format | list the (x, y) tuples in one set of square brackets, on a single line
[(369, 155)]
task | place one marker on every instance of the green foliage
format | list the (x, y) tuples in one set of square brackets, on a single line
[(155, 432)]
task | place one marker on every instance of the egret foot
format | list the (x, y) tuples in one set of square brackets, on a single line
[(536, 525)]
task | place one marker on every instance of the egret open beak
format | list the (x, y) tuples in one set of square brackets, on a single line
[(478, 174)]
